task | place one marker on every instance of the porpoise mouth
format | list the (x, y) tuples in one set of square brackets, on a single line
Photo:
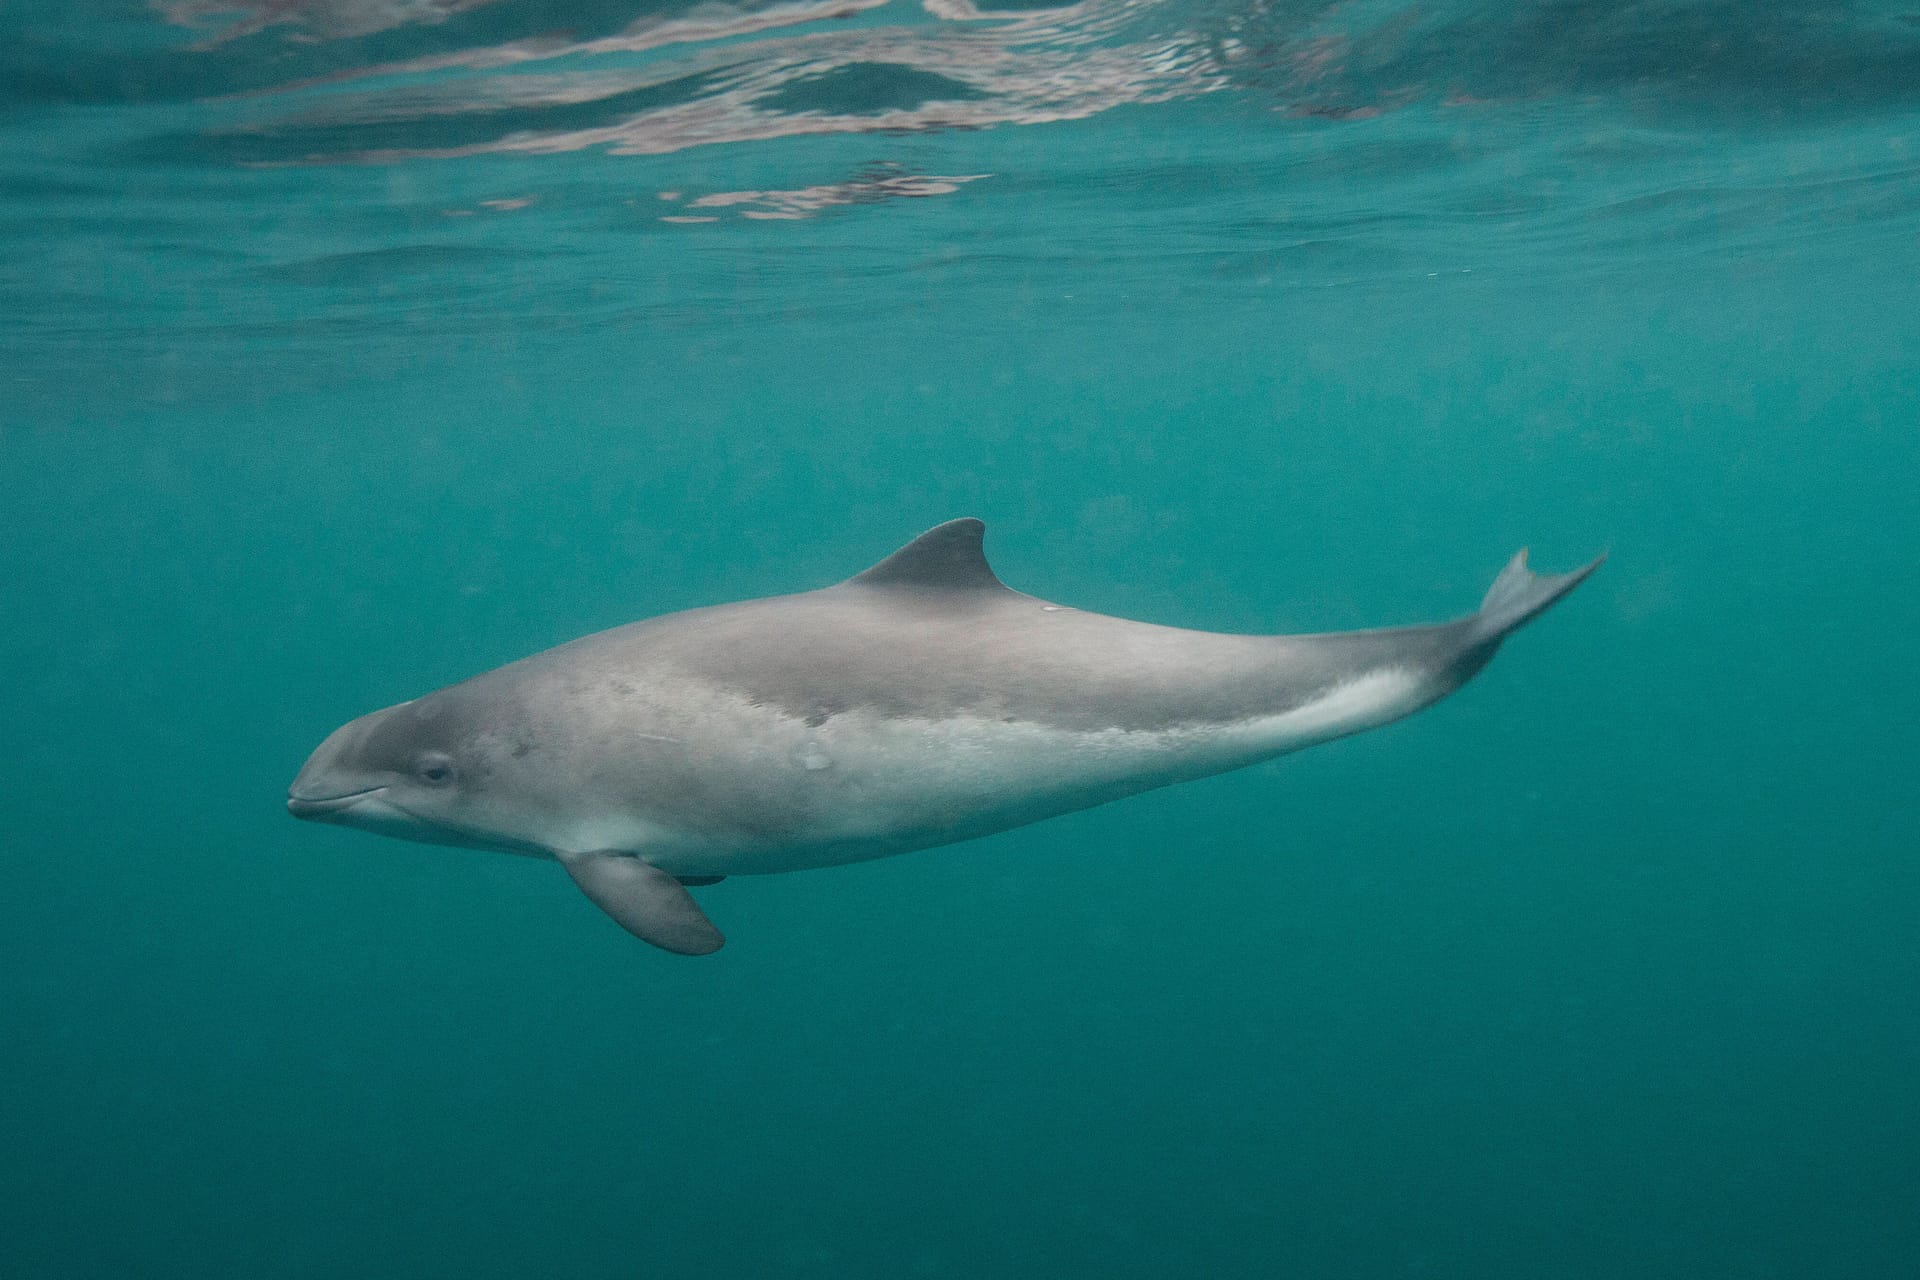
[(318, 806)]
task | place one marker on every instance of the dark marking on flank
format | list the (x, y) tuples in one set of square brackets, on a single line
[(822, 710)]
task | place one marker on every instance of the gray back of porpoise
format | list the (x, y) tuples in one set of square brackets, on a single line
[(918, 703)]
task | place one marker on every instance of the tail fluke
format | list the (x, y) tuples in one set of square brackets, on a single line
[(1519, 595)]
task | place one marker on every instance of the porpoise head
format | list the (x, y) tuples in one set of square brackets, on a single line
[(427, 770)]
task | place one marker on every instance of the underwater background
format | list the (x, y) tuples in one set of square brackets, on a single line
[(351, 347)]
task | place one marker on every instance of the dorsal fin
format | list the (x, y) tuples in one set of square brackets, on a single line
[(947, 557)]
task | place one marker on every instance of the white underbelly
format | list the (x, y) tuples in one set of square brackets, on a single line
[(863, 786)]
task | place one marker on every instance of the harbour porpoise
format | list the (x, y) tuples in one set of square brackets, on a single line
[(919, 703)]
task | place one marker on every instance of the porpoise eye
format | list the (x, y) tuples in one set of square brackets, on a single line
[(435, 769)]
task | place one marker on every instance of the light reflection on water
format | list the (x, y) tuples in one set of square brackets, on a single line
[(355, 166)]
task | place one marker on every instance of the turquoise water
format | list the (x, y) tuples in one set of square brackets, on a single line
[(348, 349)]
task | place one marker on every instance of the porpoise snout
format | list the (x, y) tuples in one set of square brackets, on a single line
[(312, 806), (327, 784)]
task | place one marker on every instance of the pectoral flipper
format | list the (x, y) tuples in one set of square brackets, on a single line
[(645, 901)]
